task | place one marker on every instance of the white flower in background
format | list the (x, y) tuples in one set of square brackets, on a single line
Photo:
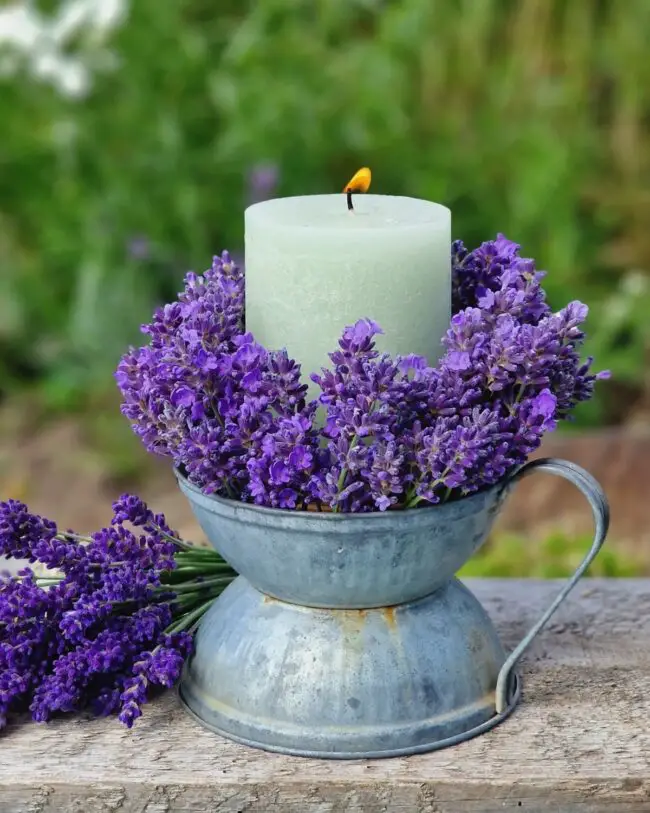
[(37, 42)]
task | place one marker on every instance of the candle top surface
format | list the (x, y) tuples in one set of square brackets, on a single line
[(330, 212)]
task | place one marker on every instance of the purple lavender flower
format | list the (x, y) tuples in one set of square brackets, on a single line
[(388, 474), (451, 454), (24, 535), (505, 356), (501, 385), (282, 463), (232, 414), (129, 508), (134, 694), (159, 667), (496, 278), (169, 385), (166, 662), (121, 600), (21, 532), (204, 392), (28, 638), (372, 402)]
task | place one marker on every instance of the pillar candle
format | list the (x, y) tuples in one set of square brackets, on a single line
[(313, 267)]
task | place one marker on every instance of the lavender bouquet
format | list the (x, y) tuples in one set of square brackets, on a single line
[(110, 618), (233, 416)]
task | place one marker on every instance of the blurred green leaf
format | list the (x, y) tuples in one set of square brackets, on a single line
[(556, 556)]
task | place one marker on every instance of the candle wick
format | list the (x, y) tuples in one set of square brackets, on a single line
[(360, 182)]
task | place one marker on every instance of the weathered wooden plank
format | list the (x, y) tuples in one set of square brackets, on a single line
[(580, 741)]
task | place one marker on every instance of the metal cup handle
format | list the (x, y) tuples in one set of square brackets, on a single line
[(506, 684)]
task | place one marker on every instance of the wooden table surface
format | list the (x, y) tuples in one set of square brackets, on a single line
[(579, 741)]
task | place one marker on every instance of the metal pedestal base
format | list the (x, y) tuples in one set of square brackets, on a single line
[(346, 684), (422, 748)]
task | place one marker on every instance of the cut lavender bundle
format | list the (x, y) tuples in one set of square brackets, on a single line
[(111, 620)]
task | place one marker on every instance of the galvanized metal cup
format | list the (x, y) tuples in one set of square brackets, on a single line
[(347, 635)]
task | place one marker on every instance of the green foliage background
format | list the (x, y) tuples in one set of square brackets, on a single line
[(553, 557), (527, 117)]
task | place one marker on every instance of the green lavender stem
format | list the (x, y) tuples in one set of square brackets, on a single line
[(192, 587), (197, 554), (200, 569), (188, 618)]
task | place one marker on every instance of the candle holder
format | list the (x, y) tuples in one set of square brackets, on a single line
[(348, 636)]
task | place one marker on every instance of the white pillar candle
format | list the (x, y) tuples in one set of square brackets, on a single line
[(313, 267)]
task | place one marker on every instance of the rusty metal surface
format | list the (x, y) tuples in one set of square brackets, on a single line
[(345, 683), (401, 658)]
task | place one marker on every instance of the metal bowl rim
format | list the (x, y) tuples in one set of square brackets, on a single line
[(425, 514)]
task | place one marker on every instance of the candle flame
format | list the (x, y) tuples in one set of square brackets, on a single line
[(360, 181)]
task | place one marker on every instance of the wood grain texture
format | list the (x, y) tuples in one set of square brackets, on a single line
[(580, 740)]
